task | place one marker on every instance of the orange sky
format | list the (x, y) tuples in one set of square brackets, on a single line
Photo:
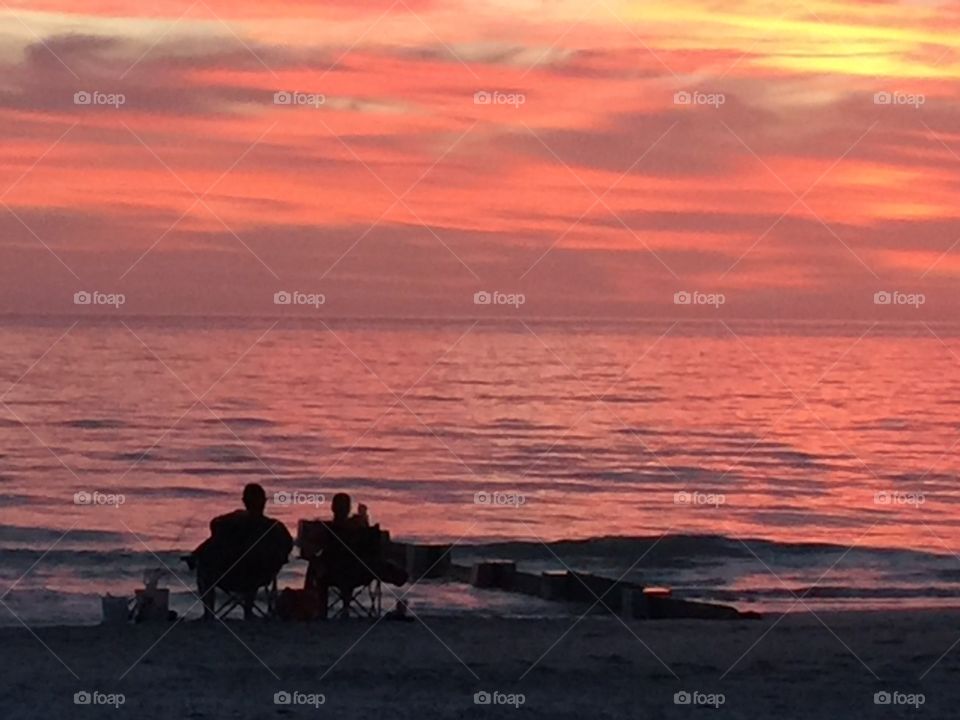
[(789, 183)]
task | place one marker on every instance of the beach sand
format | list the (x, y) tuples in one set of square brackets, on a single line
[(798, 667)]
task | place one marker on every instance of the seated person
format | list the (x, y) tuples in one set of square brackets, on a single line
[(352, 557), (244, 552)]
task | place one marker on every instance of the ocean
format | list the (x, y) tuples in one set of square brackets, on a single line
[(746, 462)]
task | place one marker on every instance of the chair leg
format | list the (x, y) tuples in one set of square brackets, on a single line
[(266, 609), (271, 599), (227, 606), (365, 601)]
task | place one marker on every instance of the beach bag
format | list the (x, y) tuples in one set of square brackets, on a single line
[(152, 602), (152, 605), (298, 605), (115, 610)]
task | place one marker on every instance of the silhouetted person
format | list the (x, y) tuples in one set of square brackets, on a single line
[(352, 555), (244, 552), (340, 507), (338, 557)]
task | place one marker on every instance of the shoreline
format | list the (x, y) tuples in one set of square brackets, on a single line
[(452, 599), (701, 568), (838, 614)]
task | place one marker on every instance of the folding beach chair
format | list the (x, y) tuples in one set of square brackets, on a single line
[(239, 560), (344, 567)]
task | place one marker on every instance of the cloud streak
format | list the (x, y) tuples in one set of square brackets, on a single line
[(811, 152)]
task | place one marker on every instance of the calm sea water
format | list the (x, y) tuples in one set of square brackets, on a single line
[(772, 459)]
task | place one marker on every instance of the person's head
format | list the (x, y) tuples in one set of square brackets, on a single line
[(340, 505), (254, 498)]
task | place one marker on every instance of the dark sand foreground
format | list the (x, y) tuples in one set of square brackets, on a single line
[(599, 669)]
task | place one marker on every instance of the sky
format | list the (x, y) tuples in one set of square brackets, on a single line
[(690, 158)]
